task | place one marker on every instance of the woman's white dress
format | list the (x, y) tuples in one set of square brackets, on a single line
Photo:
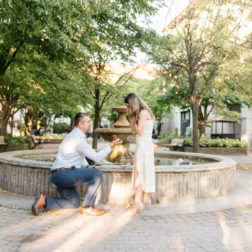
[(144, 158)]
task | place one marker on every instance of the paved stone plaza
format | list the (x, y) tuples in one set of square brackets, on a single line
[(216, 224)]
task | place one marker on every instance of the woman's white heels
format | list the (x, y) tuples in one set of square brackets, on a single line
[(137, 208)]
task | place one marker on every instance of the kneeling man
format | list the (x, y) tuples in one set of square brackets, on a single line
[(71, 168)]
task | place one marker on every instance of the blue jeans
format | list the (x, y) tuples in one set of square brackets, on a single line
[(65, 181)]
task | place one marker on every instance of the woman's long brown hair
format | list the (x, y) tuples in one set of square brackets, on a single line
[(136, 105)]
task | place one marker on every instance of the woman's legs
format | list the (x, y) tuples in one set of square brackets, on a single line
[(146, 199), (138, 204)]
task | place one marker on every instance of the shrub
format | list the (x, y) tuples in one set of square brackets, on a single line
[(11, 140), (218, 142), (188, 142), (54, 136), (168, 137), (59, 128)]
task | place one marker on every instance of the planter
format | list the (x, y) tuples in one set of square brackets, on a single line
[(221, 150), (52, 141), (25, 146)]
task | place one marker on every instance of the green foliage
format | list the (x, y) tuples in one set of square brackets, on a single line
[(188, 142), (53, 136), (48, 50), (168, 137), (198, 54), (218, 142), (59, 128), (11, 140)]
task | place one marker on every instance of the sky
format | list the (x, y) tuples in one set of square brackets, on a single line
[(163, 17), (166, 14)]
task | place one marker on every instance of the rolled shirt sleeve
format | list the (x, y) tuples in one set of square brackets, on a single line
[(86, 150), (84, 163)]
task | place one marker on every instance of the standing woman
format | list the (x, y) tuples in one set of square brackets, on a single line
[(141, 123)]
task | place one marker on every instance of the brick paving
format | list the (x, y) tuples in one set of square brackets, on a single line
[(206, 226), (226, 230)]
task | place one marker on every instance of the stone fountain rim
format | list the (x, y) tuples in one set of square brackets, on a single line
[(121, 130), (221, 163)]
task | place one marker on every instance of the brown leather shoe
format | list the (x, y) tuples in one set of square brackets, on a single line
[(39, 202), (92, 211)]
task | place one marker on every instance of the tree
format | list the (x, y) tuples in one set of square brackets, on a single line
[(118, 35), (198, 43), (27, 27), (64, 30), (102, 88)]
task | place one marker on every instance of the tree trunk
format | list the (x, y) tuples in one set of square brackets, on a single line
[(72, 122), (30, 119), (4, 117), (12, 124), (204, 112), (3, 127), (159, 127), (195, 115), (97, 117), (29, 125), (202, 129)]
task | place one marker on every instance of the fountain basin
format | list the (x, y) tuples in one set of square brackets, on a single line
[(173, 183)]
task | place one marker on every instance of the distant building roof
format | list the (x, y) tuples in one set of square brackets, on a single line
[(223, 119), (179, 17)]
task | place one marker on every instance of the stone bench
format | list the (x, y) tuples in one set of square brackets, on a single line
[(176, 144)]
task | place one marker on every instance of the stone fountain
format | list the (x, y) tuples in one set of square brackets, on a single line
[(21, 172), (121, 154)]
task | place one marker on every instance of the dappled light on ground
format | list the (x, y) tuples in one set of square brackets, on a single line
[(152, 230), (69, 230)]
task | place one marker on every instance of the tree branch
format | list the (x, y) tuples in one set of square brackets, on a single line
[(13, 56)]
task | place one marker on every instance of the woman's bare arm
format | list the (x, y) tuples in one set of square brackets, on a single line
[(143, 116), (133, 125)]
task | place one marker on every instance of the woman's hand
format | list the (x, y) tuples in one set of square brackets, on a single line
[(116, 142), (133, 127), (129, 111)]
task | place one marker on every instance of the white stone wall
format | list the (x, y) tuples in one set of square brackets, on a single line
[(246, 125), (244, 129), (171, 125), (19, 119)]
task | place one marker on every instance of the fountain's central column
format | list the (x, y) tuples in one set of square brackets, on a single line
[(121, 153)]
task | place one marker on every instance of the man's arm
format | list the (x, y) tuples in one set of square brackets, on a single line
[(86, 150), (84, 163)]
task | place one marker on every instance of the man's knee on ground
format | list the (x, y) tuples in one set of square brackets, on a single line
[(98, 173)]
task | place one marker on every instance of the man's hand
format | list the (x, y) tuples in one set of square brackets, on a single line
[(93, 167), (116, 142)]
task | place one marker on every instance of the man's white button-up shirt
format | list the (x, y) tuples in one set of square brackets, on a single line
[(74, 149)]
